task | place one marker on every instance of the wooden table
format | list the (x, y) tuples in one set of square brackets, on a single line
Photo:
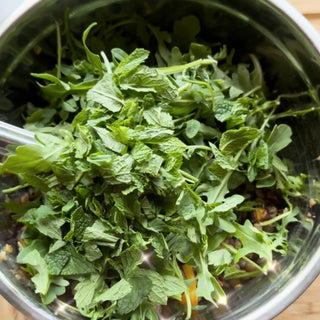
[(307, 307)]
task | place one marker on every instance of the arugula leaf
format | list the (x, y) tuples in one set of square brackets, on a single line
[(253, 241), (229, 203), (93, 58)]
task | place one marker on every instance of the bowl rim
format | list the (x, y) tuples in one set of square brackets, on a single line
[(11, 20), (276, 304)]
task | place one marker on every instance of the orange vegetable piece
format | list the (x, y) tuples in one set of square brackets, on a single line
[(189, 274)]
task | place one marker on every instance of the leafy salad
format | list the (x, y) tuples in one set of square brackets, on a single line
[(150, 167)]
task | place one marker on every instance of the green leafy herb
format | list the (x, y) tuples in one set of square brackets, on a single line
[(144, 167)]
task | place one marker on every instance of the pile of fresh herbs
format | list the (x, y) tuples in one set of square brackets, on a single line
[(142, 169)]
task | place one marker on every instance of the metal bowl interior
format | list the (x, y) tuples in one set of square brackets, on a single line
[(289, 50)]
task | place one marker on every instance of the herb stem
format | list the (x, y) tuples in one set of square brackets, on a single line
[(226, 178), (270, 105), (175, 121), (292, 95), (294, 113), (119, 24), (232, 250), (79, 177), (205, 84), (59, 50), (188, 176), (183, 67), (68, 34), (16, 188), (199, 147), (184, 87), (67, 306), (106, 62), (249, 93), (186, 292), (278, 217)]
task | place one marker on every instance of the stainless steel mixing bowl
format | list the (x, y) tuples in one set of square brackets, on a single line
[(289, 49)]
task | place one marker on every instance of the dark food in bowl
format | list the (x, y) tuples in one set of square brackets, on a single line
[(158, 185)]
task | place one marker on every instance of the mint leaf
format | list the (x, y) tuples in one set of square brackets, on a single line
[(57, 288), (80, 221), (86, 290), (232, 141), (41, 279), (99, 232), (57, 260), (116, 292), (45, 220), (77, 264), (131, 62), (106, 94), (109, 141), (155, 116), (141, 287), (174, 287)]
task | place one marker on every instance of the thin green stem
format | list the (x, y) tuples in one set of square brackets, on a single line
[(184, 87), (175, 121), (79, 177), (186, 291), (200, 147), (68, 34), (188, 176), (106, 62), (16, 188), (67, 306), (226, 178), (59, 50), (280, 216), (249, 93), (295, 113), (270, 105), (232, 250), (119, 24), (180, 68), (203, 84)]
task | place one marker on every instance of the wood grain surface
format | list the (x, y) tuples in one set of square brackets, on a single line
[(307, 307)]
